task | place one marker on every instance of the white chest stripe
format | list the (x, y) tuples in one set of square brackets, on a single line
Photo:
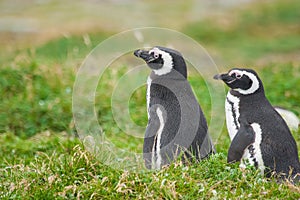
[(148, 94), (232, 114), (156, 164)]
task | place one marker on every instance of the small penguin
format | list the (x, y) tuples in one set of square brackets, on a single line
[(176, 124), (257, 131)]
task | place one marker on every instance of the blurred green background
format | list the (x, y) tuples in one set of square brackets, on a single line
[(44, 42)]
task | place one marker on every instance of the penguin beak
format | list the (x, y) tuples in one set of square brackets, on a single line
[(224, 77), (144, 55)]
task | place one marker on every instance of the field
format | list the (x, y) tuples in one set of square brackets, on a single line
[(41, 155)]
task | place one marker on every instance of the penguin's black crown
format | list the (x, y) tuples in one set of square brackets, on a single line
[(243, 81), (163, 60)]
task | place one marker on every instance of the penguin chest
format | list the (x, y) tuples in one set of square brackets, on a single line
[(232, 114), (252, 153)]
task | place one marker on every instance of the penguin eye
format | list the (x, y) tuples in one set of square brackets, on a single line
[(238, 76), (155, 55)]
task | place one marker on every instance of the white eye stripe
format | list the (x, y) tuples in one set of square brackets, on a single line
[(156, 52), (167, 58), (255, 83), (238, 74)]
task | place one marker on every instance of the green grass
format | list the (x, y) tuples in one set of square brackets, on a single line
[(69, 48), (33, 100), (251, 33), (41, 156), (51, 165)]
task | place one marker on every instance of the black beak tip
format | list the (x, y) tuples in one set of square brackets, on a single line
[(137, 53), (217, 76)]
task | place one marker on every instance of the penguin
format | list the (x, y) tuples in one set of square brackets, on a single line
[(176, 124), (289, 117), (258, 133)]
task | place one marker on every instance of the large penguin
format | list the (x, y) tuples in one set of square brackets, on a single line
[(176, 125), (258, 133)]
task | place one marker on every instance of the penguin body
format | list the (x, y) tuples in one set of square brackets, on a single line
[(256, 129), (176, 124)]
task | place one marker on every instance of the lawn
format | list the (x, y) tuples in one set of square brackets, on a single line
[(42, 157)]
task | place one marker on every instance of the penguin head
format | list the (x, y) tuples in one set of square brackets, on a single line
[(163, 60), (243, 81)]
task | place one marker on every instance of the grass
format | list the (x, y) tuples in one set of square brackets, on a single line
[(41, 156), (34, 101), (251, 33), (51, 165)]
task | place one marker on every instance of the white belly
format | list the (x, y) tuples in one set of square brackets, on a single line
[(253, 153), (156, 161)]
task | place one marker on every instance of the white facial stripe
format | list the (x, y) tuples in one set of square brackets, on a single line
[(237, 72), (255, 82), (168, 61), (231, 81), (155, 52)]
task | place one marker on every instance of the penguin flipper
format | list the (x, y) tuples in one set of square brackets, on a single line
[(149, 138), (244, 137)]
